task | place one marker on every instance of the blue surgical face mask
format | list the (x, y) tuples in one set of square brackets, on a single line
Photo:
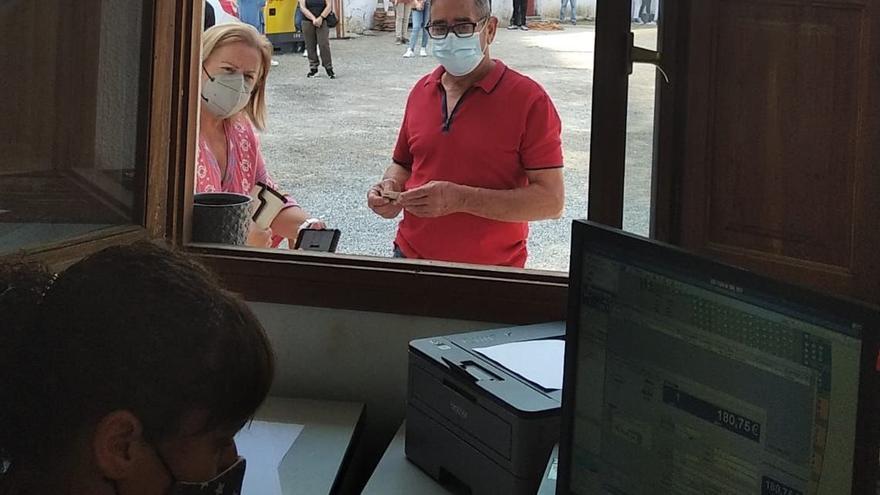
[(459, 56)]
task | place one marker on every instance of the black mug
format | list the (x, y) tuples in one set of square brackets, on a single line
[(221, 218)]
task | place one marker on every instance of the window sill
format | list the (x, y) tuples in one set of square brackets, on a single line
[(414, 287)]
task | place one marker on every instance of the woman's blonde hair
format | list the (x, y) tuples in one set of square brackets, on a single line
[(239, 32)]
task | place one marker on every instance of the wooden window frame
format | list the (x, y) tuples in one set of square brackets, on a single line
[(167, 119), (422, 288)]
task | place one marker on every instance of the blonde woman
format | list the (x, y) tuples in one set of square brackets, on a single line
[(235, 65)]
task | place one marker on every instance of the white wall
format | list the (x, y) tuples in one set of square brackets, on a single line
[(359, 13), (351, 356), (547, 9)]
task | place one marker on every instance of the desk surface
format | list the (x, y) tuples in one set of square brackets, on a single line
[(319, 453), (395, 474)]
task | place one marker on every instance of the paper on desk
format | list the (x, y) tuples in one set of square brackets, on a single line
[(264, 444), (538, 361)]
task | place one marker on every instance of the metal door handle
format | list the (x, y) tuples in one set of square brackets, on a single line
[(639, 55)]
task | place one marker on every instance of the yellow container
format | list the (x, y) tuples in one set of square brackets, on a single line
[(279, 16)]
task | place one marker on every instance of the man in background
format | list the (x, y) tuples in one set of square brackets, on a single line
[(252, 12), (479, 153)]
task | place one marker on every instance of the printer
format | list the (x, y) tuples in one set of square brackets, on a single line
[(473, 424)]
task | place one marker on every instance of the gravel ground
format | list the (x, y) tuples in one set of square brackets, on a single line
[(328, 140)]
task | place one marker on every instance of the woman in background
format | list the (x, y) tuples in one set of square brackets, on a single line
[(421, 15), (317, 35), (127, 374), (235, 66)]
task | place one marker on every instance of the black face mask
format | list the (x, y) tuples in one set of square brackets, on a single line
[(226, 483)]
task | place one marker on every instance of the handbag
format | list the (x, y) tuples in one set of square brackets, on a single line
[(331, 19)]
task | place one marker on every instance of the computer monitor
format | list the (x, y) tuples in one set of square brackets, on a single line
[(687, 376)]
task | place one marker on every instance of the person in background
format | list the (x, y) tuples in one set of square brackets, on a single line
[(421, 13), (518, 20), (210, 18), (253, 12), (127, 374), (235, 66), (573, 4), (402, 9), (479, 153), (317, 35), (642, 12), (298, 23)]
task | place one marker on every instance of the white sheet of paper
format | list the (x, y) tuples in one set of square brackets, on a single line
[(538, 361), (264, 444)]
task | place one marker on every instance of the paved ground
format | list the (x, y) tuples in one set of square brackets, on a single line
[(329, 140)]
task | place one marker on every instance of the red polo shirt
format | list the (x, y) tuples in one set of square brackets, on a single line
[(501, 128)]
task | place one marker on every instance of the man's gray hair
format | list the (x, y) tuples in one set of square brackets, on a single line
[(483, 8)]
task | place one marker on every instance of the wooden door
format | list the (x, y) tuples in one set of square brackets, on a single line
[(771, 155)]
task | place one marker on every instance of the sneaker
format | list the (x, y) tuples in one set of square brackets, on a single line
[(398, 41), (423, 53), (512, 27), (409, 53), (312, 72), (274, 63), (574, 22), (524, 28), (331, 73)]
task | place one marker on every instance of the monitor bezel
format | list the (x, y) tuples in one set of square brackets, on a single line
[(865, 456)]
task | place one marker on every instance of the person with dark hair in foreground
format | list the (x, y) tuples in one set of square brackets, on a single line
[(128, 373)]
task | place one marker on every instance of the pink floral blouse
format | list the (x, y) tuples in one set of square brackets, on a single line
[(244, 164)]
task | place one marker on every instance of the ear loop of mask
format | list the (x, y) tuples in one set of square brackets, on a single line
[(210, 78)]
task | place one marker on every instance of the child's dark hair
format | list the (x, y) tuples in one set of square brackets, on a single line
[(138, 328)]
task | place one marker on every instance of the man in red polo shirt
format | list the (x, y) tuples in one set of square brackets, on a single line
[(479, 153)]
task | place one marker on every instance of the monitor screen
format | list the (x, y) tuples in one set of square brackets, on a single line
[(685, 376)]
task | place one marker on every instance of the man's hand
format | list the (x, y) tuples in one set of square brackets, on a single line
[(258, 237), (384, 207), (434, 199), (318, 21)]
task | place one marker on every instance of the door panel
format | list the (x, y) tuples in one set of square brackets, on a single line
[(781, 137)]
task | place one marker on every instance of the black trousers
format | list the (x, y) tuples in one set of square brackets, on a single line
[(645, 13), (519, 13)]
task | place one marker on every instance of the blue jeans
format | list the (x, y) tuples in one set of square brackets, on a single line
[(573, 9), (419, 19)]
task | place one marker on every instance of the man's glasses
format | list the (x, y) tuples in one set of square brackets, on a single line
[(439, 31)]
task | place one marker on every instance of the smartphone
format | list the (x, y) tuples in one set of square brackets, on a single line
[(317, 240)]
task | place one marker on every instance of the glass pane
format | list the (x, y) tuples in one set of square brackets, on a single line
[(74, 112), (326, 142), (640, 123)]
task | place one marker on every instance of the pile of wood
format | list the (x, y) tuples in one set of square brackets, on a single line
[(383, 20), (544, 25)]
